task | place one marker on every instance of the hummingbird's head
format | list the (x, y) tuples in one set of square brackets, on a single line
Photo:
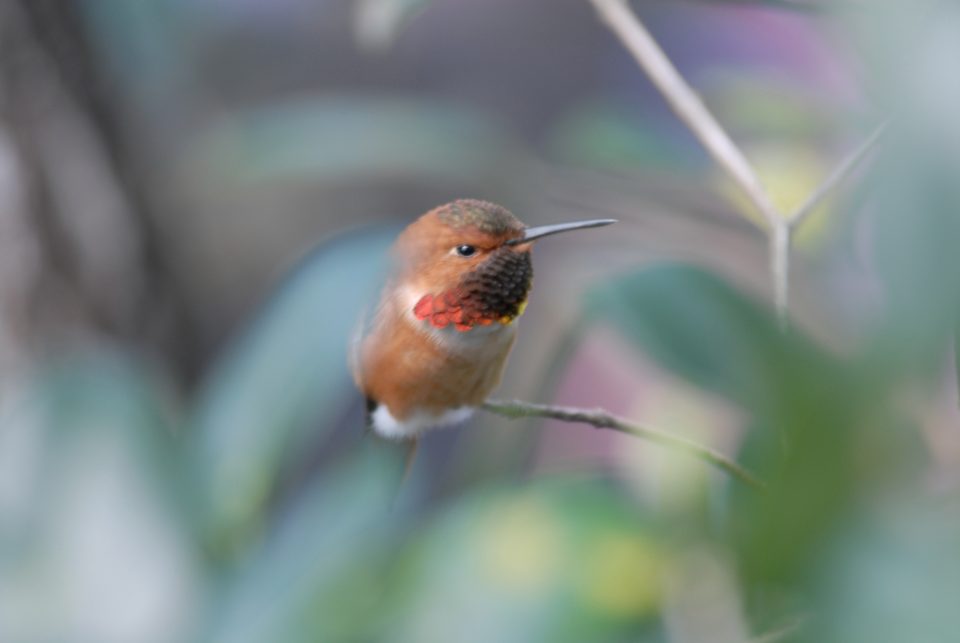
[(468, 262)]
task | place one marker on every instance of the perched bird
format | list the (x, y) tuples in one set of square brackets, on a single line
[(447, 318)]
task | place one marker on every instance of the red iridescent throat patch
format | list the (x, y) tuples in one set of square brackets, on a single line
[(496, 292)]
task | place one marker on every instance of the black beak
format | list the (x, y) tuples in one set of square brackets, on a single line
[(531, 234)]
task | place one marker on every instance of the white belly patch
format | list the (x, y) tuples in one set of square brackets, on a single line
[(387, 426)]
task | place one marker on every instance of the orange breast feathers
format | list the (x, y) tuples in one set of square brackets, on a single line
[(408, 371)]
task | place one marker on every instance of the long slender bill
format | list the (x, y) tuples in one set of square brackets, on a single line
[(531, 234)]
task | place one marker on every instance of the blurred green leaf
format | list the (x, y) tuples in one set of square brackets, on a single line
[(281, 375), (355, 137), (914, 195), (808, 409), (559, 561), (307, 581), (892, 576), (143, 45), (698, 326), (611, 136), (917, 235), (564, 560), (778, 109), (97, 547)]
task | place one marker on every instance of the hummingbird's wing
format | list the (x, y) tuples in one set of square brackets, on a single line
[(366, 320), (360, 330)]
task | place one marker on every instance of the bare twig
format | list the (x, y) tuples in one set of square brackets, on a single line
[(601, 419), (780, 269), (842, 171), (781, 234), (685, 103), (691, 110)]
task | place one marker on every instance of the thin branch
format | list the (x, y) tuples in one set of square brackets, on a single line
[(842, 171), (780, 269), (601, 419), (685, 103)]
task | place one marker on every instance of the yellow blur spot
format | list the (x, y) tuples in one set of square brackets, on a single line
[(622, 576), (520, 547), (790, 173)]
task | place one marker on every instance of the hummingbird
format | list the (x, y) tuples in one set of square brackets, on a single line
[(447, 318)]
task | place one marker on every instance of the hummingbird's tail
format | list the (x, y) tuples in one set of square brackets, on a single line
[(370, 405), (411, 445)]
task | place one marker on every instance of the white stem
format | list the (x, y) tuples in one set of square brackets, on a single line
[(685, 103), (839, 174), (780, 269)]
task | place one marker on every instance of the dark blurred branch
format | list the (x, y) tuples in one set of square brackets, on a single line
[(601, 419), (54, 35), (52, 302)]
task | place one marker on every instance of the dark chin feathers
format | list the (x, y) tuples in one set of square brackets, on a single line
[(493, 293)]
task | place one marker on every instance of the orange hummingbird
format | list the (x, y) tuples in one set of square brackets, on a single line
[(447, 319)]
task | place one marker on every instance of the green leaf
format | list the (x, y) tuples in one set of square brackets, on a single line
[(342, 138), (93, 543), (611, 136), (916, 234), (698, 326), (557, 560), (307, 582), (893, 575), (912, 224), (282, 381), (804, 404)]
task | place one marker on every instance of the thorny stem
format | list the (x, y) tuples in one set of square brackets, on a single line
[(601, 419)]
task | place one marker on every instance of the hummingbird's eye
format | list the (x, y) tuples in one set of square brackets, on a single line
[(465, 250)]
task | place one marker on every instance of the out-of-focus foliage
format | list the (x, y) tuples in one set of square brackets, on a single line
[(136, 505), (700, 327), (350, 138), (261, 404), (562, 559), (91, 513)]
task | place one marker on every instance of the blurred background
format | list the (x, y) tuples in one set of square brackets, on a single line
[(196, 197)]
